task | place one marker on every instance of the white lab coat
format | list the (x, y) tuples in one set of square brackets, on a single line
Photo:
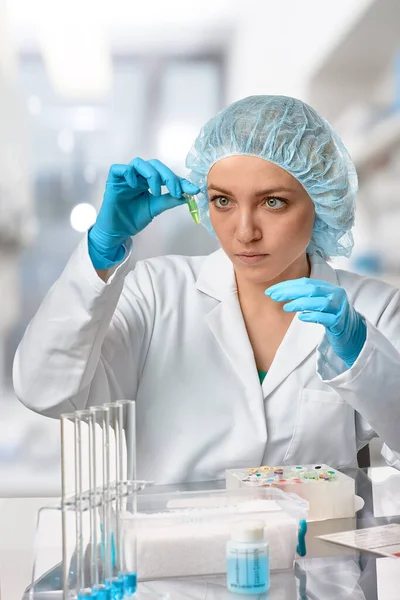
[(170, 334)]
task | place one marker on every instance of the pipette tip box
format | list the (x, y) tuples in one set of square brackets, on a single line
[(329, 492)]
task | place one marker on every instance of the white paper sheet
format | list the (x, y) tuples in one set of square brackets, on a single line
[(383, 540)]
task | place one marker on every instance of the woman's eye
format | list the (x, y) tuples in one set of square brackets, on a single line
[(275, 203), (221, 202)]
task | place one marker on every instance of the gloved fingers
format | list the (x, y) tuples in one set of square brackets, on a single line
[(168, 178), (304, 281), (142, 183), (117, 174), (161, 203), (188, 187), (325, 319), (301, 288), (343, 314), (146, 170), (290, 290), (318, 304)]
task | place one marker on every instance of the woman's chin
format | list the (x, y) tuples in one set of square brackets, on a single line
[(258, 272)]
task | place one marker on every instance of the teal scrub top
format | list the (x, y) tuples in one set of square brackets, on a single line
[(262, 375)]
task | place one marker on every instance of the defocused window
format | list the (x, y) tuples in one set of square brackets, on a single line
[(155, 109)]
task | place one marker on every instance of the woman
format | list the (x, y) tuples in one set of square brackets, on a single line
[(191, 338)]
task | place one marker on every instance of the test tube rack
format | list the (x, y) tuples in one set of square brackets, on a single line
[(329, 492), (98, 448)]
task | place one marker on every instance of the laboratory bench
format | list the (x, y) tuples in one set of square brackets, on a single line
[(328, 571)]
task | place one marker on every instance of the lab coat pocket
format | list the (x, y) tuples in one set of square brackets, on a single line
[(324, 431)]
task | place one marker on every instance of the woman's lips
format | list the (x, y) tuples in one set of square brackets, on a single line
[(251, 259)]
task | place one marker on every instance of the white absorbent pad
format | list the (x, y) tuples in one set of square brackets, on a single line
[(192, 541)]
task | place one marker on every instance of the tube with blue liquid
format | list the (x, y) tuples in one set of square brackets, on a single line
[(129, 486), (98, 443), (123, 490)]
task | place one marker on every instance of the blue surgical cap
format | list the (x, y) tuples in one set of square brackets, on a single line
[(292, 135)]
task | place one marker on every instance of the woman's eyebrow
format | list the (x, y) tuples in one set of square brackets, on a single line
[(266, 192), (219, 189), (274, 190)]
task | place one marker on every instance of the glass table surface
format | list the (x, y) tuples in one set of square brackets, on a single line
[(329, 571)]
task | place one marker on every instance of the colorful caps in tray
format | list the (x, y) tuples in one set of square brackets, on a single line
[(268, 475)]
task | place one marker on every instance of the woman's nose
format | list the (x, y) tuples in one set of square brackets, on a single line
[(247, 229)]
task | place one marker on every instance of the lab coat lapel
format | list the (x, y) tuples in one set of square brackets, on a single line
[(227, 325), (301, 338), (217, 279)]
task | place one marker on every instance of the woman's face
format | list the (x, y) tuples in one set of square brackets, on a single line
[(262, 216)]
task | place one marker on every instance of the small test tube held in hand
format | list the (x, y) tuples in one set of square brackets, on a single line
[(192, 204)]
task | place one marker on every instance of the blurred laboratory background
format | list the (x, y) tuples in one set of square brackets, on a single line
[(88, 83)]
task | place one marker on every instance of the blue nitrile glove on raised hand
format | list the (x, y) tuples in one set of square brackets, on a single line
[(132, 199), (327, 304)]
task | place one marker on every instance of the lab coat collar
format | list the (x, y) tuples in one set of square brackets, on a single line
[(301, 338), (217, 276), (217, 279), (226, 323)]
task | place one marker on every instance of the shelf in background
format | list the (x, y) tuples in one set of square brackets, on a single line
[(377, 142), (357, 62)]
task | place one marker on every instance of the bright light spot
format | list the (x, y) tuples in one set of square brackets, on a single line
[(34, 105), (66, 141), (75, 47), (90, 174), (174, 141), (83, 216)]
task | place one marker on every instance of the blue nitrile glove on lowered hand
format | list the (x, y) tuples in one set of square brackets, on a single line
[(327, 304), (132, 199)]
